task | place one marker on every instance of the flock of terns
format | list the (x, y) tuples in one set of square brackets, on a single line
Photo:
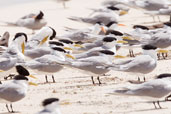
[(92, 50)]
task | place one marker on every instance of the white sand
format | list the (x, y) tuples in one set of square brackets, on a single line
[(74, 88)]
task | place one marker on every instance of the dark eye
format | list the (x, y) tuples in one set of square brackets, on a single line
[(146, 1), (3, 40)]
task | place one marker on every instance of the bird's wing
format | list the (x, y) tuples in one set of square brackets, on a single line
[(7, 63), (134, 65)]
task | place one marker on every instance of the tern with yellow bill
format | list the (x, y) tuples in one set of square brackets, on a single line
[(14, 54), (51, 106), (92, 64), (50, 63), (31, 21), (14, 90), (41, 38), (141, 64)]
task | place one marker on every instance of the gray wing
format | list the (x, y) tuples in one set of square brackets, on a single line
[(4, 40), (154, 88), (31, 15), (37, 52), (8, 91), (7, 63), (139, 64), (86, 54)]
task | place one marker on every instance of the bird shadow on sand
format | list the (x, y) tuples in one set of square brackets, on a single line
[(46, 83), (16, 112), (142, 110)]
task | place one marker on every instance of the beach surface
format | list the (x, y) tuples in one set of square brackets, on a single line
[(73, 87)]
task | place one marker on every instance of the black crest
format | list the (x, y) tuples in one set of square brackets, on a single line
[(168, 24), (109, 39), (58, 49), (66, 41), (22, 71), (107, 52), (53, 34), (56, 43), (78, 42), (165, 75), (111, 23), (141, 27), (149, 47), (116, 33), (39, 16), (49, 101), (113, 8), (20, 34), (20, 77), (99, 22)]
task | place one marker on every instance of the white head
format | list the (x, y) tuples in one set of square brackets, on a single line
[(52, 105), (17, 46), (45, 34), (150, 50)]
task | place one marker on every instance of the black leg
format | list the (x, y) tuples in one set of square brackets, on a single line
[(166, 55), (139, 79), (154, 105), (12, 108), (46, 78), (158, 18), (98, 78), (7, 108), (163, 56), (158, 55), (92, 79), (130, 54), (144, 79), (53, 79), (159, 104)]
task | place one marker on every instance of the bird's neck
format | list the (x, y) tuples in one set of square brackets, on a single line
[(23, 85), (151, 53), (54, 107), (96, 29)]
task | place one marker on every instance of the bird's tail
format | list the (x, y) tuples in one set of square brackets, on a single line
[(73, 18), (8, 23), (4, 40), (69, 29), (122, 91)]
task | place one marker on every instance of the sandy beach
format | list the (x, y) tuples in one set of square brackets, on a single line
[(74, 88)]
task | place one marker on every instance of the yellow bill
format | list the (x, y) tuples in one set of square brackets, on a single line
[(162, 51), (32, 76), (65, 103), (121, 41), (127, 38), (119, 56), (70, 56), (78, 45), (23, 47), (123, 12), (67, 48), (44, 40), (34, 84), (1, 70)]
